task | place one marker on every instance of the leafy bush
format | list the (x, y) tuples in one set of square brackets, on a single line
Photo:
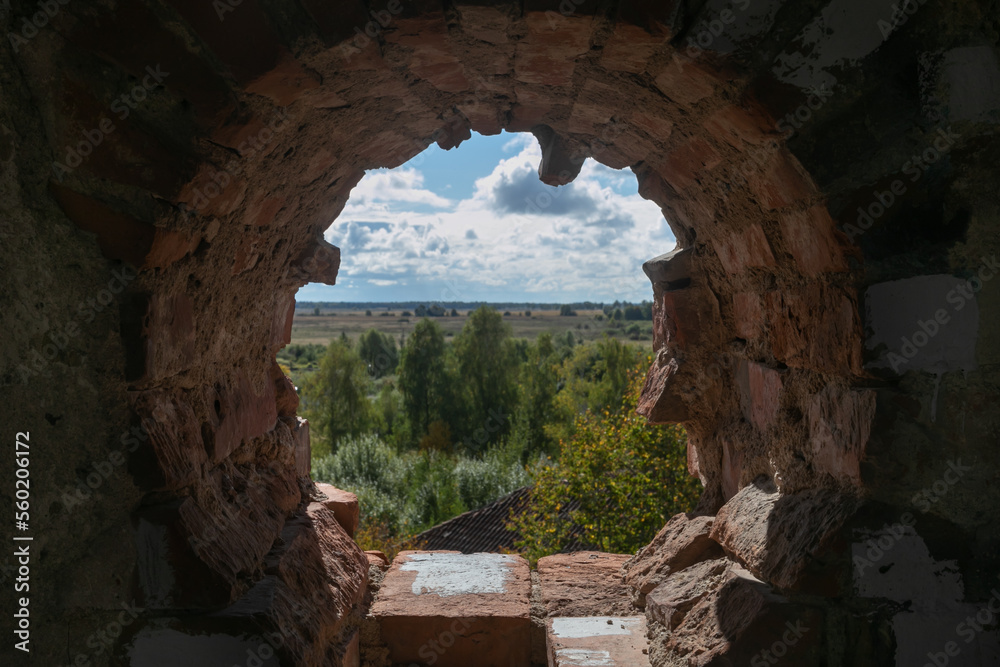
[(627, 476)]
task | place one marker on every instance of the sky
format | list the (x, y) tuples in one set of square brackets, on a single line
[(475, 224)]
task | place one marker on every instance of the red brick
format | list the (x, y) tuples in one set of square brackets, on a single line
[(815, 327), (432, 57), (286, 82), (239, 412), (744, 249), (628, 49), (480, 601), (584, 583), (811, 238), (732, 467), (597, 640), (760, 393), (655, 125), (684, 82), (748, 314), (343, 504), (782, 182), (170, 335), (169, 246), (547, 54), (737, 125), (685, 163), (840, 423), (119, 236)]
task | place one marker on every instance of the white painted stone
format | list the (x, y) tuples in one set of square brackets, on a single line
[(592, 626), (582, 657), (459, 574)]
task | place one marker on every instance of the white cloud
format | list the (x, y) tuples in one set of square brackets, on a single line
[(397, 185), (513, 238)]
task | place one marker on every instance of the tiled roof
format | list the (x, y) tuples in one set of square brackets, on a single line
[(485, 529)]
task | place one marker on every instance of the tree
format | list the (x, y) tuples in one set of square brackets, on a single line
[(625, 477), (567, 310), (423, 376), (378, 351), (336, 396), (486, 361), (538, 383)]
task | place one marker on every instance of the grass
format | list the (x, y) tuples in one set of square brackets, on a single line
[(310, 328)]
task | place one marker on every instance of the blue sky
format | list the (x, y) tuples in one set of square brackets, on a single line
[(475, 224)]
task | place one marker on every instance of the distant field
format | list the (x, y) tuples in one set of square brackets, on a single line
[(310, 328)]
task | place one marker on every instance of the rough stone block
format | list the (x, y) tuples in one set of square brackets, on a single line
[(731, 618), (303, 448), (671, 270), (584, 583), (660, 401), (608, 641), (683, 541), (776, 536), (343, 504), (455, 610), (238, 412), (320, 262), (174, 437), (684, 588), (285, 397)]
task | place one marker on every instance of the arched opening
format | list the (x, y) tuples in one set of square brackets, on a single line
[(173, 167)]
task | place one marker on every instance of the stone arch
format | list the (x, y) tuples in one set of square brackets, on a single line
[(208, 145)]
